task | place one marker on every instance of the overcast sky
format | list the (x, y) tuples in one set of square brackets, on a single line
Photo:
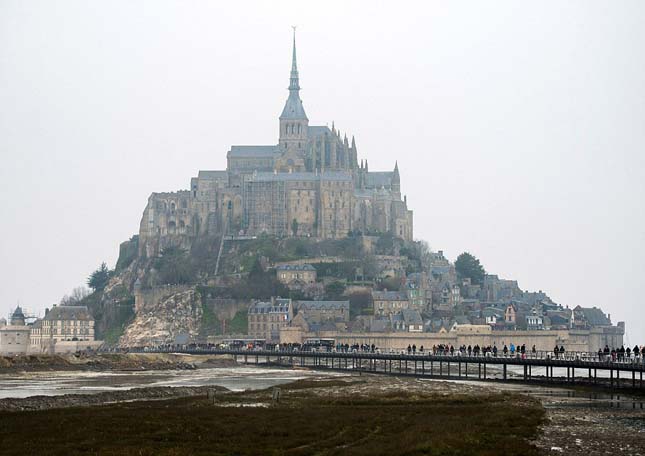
[(519, 129)]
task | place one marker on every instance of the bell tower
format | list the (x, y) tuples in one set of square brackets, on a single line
[(293, 120)]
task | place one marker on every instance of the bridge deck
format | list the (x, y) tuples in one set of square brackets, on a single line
[(429, 365)]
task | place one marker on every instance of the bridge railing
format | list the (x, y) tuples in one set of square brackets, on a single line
[(573, 356)]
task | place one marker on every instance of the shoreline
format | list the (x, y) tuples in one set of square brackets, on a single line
[(110, 362)]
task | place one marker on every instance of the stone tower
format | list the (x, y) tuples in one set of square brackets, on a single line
[(396, 182), (293, 120)]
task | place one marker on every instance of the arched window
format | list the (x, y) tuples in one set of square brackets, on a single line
[(173, 206)]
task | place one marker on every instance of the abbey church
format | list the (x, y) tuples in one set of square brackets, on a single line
[(310, 183)]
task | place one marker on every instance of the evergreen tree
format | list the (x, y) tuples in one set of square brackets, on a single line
[(468, 266), (99, 279)]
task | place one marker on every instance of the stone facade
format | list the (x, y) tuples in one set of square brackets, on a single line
[(265, 319), (308, 184), (64, 329), (389, 302), (296, 274)]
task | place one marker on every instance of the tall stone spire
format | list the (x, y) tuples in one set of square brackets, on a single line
[(293, 108), (294, 83)]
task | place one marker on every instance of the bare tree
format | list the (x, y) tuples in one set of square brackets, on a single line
[(77, 295)]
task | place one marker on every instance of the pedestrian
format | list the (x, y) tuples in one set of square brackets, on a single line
[(409, 349)]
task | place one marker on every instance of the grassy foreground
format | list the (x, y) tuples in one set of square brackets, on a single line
[(305, 422)]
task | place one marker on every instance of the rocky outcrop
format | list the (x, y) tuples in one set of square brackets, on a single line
[(162, 316)]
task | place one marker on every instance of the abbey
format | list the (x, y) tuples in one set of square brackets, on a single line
[(308, 184)]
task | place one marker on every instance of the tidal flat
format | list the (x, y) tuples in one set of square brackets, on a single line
[(359, 415)]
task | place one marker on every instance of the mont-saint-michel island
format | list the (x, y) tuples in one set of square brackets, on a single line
[(286, 305)]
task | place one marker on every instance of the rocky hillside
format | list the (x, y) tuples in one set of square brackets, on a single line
[(177, 296)]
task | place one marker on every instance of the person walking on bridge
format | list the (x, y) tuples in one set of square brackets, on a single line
[(556, 351)]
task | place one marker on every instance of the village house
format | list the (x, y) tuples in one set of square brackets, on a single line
[(266, 318), (389, 302), (409, 320), (296, 274), (321, 311)]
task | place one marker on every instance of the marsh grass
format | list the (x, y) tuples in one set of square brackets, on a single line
[(303, 423)]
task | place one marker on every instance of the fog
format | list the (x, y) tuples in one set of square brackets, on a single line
[(518, 128)]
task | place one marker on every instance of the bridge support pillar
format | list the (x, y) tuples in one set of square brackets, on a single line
[(479, 370), (484, 371), (573, 374), (617, 378), (459, 367), (504, 371)]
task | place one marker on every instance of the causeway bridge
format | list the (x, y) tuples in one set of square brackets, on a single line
[(576, 368)]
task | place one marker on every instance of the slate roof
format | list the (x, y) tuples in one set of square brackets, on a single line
[(389, 295), (213, 175), (379, 179), (317, 130), (279, 306), (68, 313), (412, 317), (295, 267), (379, 325), (595, 316), (324, 305), (293, 108), (336, 176), (253, 152)]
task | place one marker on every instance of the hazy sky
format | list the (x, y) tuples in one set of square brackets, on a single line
[(519, 129)]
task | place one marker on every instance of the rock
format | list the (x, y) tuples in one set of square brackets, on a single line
[(159, 322)]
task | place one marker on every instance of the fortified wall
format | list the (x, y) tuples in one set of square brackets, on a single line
[(572, 340)]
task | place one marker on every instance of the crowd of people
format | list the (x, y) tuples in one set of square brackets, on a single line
[(621, 354)]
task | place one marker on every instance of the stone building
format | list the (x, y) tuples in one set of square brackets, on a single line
[(296, 274), (322, 311), (14, 337), (389, 302), (266, 318), (64, 323), (311, 183)]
